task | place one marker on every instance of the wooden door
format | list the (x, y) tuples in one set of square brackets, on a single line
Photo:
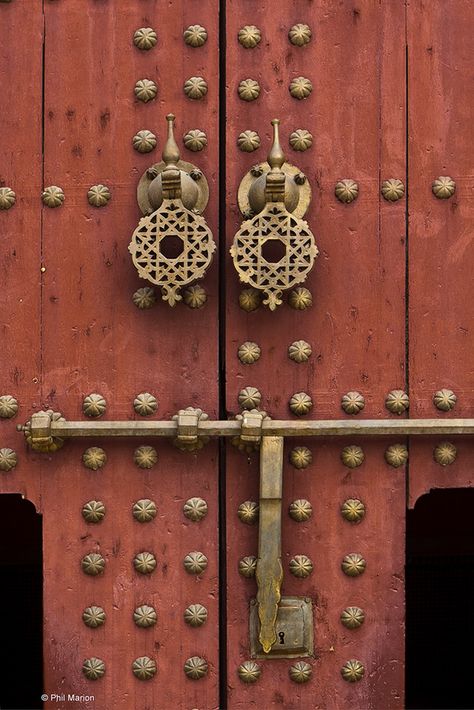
[(158, 617)]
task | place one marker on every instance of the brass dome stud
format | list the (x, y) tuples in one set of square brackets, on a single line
[(145, 38), (352, 617), (346, 191), (443, 187), (248, 566), (94, 405), (352, 671), (94, 458), (352, 456), (144, 298), (300, 298), (93, 617), (353, 510), (93, 511), (396, 455), (299, 351), (195, 615), (8, 406), (195, 562), (301, 457), (145, 404), (8, 459), (445, 453), (301, 404), (300, 672), (144, 510), (195, 509), (93, 564), (301, 566), (249, 672), (196, 667), (443, 399), (144, 616), (145, 456), (397, 402), (93, 668), (144, 562), (353, 565), (353, 402), (300, 510), (144, 668), (248, 512)]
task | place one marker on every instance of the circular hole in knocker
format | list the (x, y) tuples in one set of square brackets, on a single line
[(171, 246), (273, 250)]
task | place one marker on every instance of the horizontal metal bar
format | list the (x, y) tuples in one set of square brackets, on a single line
[(270, 427)]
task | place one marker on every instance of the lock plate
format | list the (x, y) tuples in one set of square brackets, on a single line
[(294, 629)]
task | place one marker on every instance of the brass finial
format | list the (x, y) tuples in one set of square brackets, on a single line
[(171, 150), (276, 157)]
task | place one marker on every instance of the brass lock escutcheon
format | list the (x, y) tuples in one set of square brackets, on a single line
[(274, 249), (172, 246)]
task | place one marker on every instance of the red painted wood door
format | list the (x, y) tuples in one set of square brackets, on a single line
[(84, 83)]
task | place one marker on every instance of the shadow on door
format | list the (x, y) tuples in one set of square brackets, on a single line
[(439, 601), (21, 604)]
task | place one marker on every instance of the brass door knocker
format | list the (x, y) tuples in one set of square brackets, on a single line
[(274, 249), (172, 245)]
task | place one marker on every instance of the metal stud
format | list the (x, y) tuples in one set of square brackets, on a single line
[(94, 458), (353, 564), (396, 455), (195, 509), (144, 510), (53, 196), (196, 667), (353, 402), (93, 616), (144, 141), (250, 398), (352, 671), (248, 90), (195, 88), (397, 402), (8, 459), (249, 299), (249, 672), (301, 404), (299, 34), (353, 510), (352, 456), (195, 562), (300, 298), (144, 616), (392, 189), (144, 298), (248, 141), (94, 405), (248, 512), (93, 668), (145, 404), (301, 566), (248, 566), (145, 38), (300, 510), (144, 668), (93, 511), (444, 399), (98, 195), (144, 562), (8, 406), (145, 456), (300, 672), (195, 35), (249, 36), (443, 187), (301, 457), (249, 352), (93, 564), (445, 453), (7, 198), (300, 88), (299, 351), (301, 139), (195, 615), (195, 140), (346, 190), (352, 617), (146, 90)]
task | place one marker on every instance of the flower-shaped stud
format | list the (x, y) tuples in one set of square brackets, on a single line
[(443, 187), (146, 90), (196, 667), (145, 404), (7, 198), (353, 564), (300, 87), (144, 141), (396, 455), (144, 562), (94, 405), (249, 299), (444, 400), (301, 404), (144, 298), (352, 671), (248, 141), (93, 564), (195, 615), (248, 566), (353, 510), (248, 90), (145, 456), (195, 140), (195, 509), (352, 456), (250, 398), (98, 195), (195, 35), (301, 566), (248, 353), (94, 458), (248, 512), (352, 617), (249, 672), (300, 510), (144, 616), (445, 453), (145, 38), (8, 406), (93, 511), (299, 34), (195, 88), (300, 672), (53, 196), (397, 402), (301, 457), (299, 351), (144, 668), (195, 562), (301, 139), (346, 190), (195, 296), (353, 402), (249, 36), (392, 189), (144, 510), (8, 459), (93, 668), (93, 616), (300, 298)]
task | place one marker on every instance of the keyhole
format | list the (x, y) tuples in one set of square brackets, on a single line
[(281, 634)]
